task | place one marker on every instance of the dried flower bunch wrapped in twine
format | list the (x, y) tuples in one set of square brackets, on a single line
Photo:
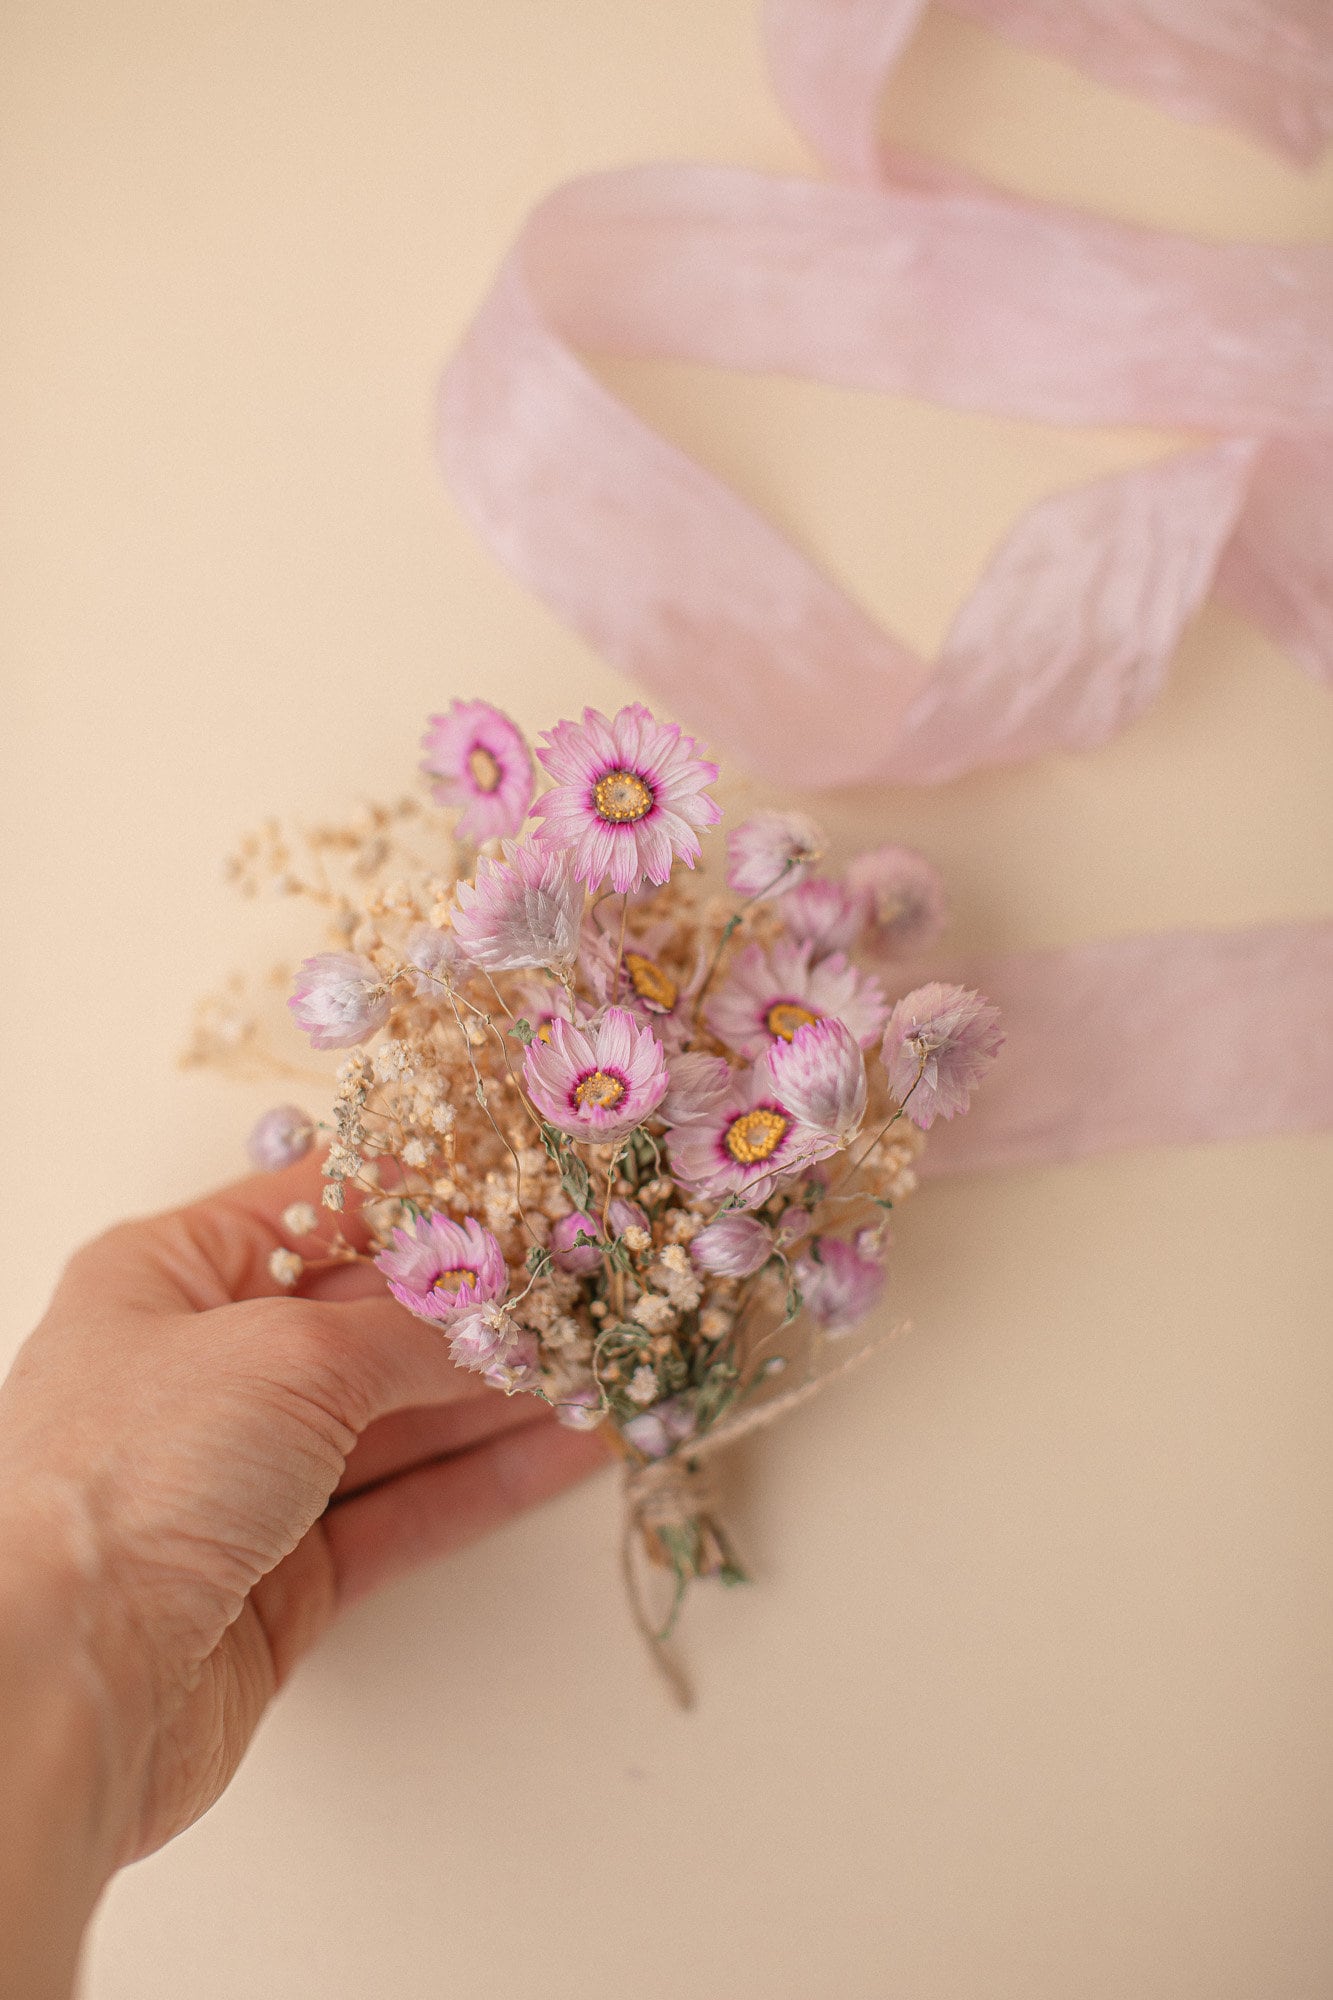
[(632, 1146)]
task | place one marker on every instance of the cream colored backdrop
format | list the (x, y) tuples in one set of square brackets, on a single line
[(1032, 1696)]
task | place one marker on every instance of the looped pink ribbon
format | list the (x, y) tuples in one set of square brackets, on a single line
[(917, 279)]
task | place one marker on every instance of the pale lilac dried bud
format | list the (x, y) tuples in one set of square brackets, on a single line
[(771, 852), (281, 1137), (522, 911), (661, 1429), (339, 999), (582, 1409), (478, 1338), (735, 1246), (517, 1367), (825, 914), (837, 1284), (567, 1254), (904, 899), (628, 1215), (939, 1043), (820, 1075), (435, 955)]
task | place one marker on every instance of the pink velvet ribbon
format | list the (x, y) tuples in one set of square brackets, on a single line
[(914, 278)]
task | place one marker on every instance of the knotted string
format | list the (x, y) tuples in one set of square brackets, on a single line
[(680, 1491)]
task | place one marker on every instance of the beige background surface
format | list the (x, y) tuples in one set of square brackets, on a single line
[(1032, 1698)]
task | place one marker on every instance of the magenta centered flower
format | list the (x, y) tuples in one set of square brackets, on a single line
[(628, 796), (768, 995), (745, 1143), (642, 976), (480, 763), (597, 1083), (440, 1268)]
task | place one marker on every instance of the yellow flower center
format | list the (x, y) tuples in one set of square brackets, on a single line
[(454, 1281), (544, 1032), (485, 771), (785, 1017), (650, 982), (755, 1135), (599, 1089), (621, 797)]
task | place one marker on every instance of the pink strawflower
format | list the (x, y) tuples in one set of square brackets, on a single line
[(479, 762), (599, 1083), (434, 955), (820, 1075), (582, 1409), (280, 1138), (539, 1002), (567, 1253), (479, 1336), (339, 999), (639, 976), (735, 1246), (771, 852), (769, 994), (628, 796), (525, 910), (792, 1225), (822, 913), (659, 1430), (938, 1045), (837, 1282), (745, 1144), (904, 899), (440, 1268), (697, 1085), (517, 1366)]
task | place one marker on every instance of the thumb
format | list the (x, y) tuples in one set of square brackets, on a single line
[(354, 1361)]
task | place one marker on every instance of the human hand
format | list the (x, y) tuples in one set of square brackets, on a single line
[(200, 1471)]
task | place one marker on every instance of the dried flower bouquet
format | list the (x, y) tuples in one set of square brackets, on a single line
[(613, 1134)]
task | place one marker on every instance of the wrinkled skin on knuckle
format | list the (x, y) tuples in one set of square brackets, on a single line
[(206, 1254), (301, 1352)]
